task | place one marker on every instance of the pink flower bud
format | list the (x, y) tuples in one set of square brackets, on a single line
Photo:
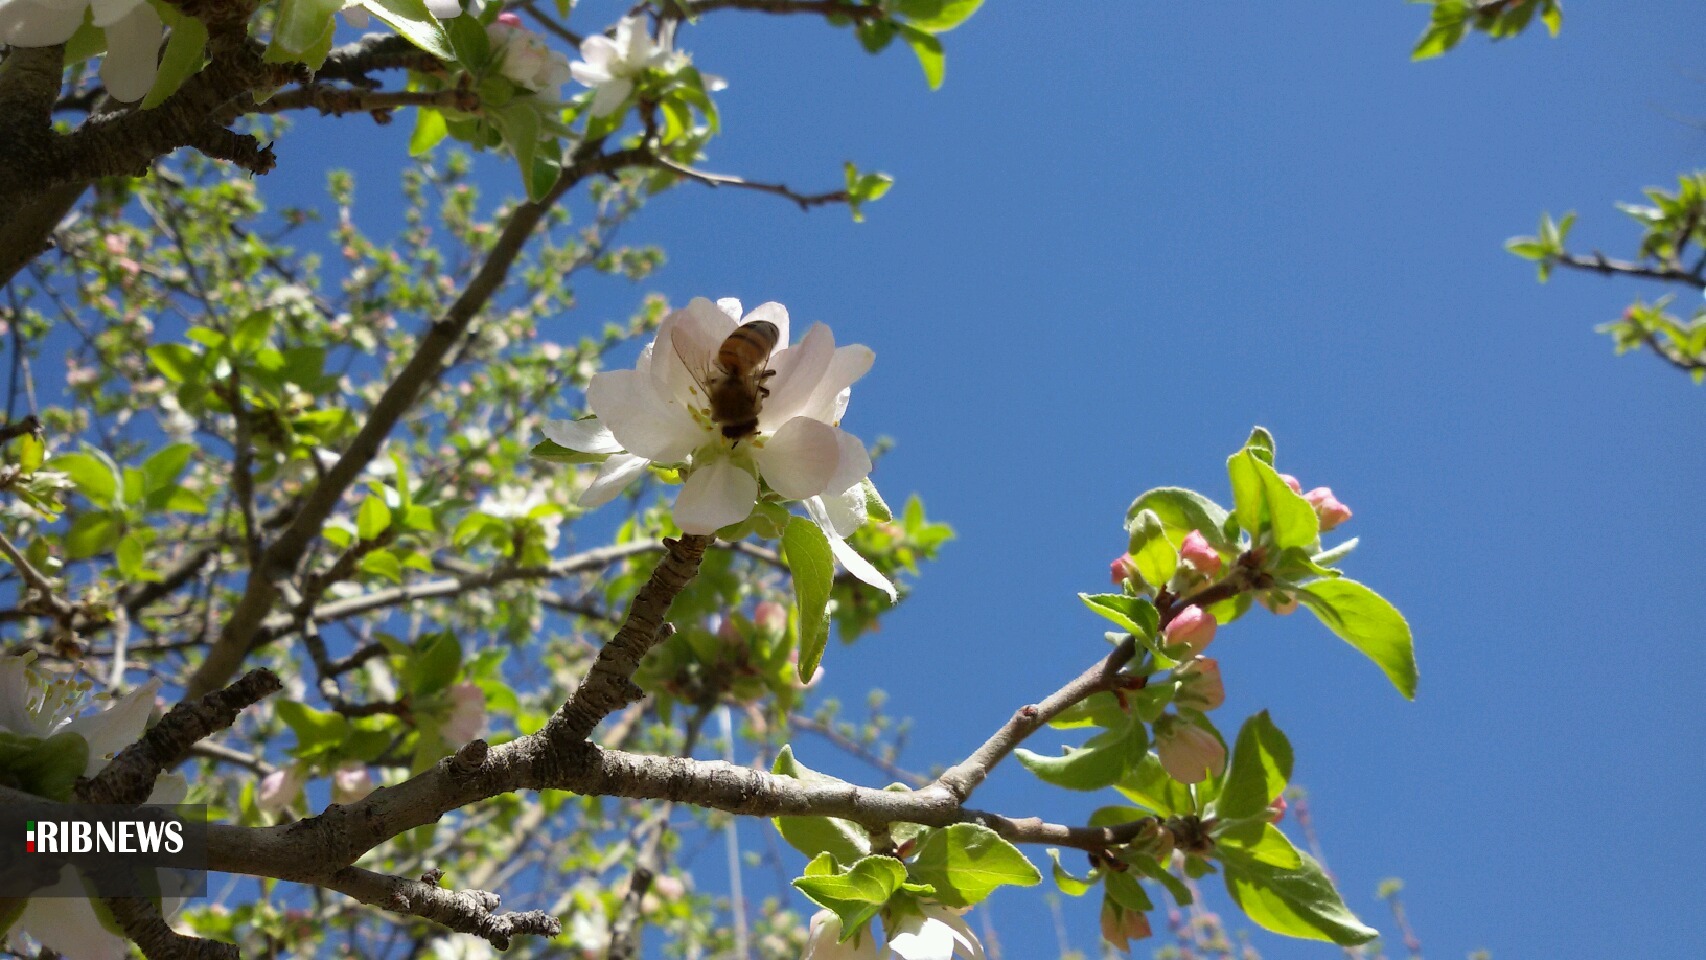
[(116, 243), (1276, 810), (1192, 628), (351, 782), (1122, 569), (279, 789), (771, 618), (1195, 550), (1188, 753), (509, 19), (467, 718), (1200, 685), (1291, 482), (1327, 507)]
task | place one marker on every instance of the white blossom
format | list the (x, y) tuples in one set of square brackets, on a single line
[(658, 412), (132, 27), (935, 934), (33, 706), (524, 57), (822, 943), (611, 65), (467, 719)]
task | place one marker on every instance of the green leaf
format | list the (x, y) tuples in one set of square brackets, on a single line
[(937, 16), (429, 130), (31, 453), (1136, 615), (94, 476), (812, 566), (928, 50), (967, 862), (1365, 620), (412, 19), (160, 472), (1127, 892), (857, 895), (50, 767), (1149, 786), (1182, 511), (1297, 902), (183, 57), (844, 840), (556, 453), (303, 31), (92, 533), (437, 660), (383, 563), (1258, 772), (177, 362), (373, 518), (316, 730), (1156, 557), (1101, 762), (1069, 884), (1261, 496)]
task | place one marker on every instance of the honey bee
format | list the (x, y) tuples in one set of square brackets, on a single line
[(735, 387)]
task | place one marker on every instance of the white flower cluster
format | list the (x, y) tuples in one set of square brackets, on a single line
[(935, 933), (524, 57), (133, 33)]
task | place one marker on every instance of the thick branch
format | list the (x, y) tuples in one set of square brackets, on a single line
[(464, 911)]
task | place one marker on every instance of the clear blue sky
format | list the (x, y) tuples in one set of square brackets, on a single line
[(1125, 232)]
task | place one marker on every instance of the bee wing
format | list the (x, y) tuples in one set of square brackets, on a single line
[(698, 370)]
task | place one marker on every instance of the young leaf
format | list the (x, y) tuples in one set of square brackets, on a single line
[(812, 566), (967, 862), (1260, 494), (857, 895), (937, 16), (94, 476), (844, 840), (373, 518), (1259, 770), (1182, 511), (183, 57), (1365, 620), (412, 19), (1136, 615), (928, 49), (1101, 762), (1297, 902)]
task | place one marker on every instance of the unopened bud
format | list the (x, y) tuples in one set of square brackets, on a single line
[(1196, 551), (771, 618), (1279, 602), (1276, 810), (1291, 482), (1200, 685), (1327, 507), (1188, 753), (1191, 630), (1122, 569)]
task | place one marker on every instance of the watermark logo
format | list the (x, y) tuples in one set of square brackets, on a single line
[(102, 850)]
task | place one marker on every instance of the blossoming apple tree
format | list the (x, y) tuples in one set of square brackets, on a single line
[(441, 617)]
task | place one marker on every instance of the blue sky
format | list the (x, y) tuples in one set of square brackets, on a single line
[(1125, 232)]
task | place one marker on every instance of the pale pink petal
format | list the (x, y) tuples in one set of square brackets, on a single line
[(169, 789), (444, 9), (641, 421), (828, 400), (717, 494), (849, 558), (853, 462), (105, 13), (613, 477), (847, 510), (585, 436), (922, 938), (774, 313), (730, 306), (589, 74), (798, 372), (798, 460), (133, 54)]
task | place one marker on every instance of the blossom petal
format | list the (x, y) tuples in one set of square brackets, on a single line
[(588, 74), (613, 477), (717, 494), (799, 368), (923, 938), (729, 305), (685, 348), (828, 400), (965, 942), (133, 54), (774, 313), (641, 421), (849, 558), (169, 789), (610, 96), (585, 436), (635, 41), (444, 9), (105, 13), (70, 927), (15, 717), (599, 52), (26, 24), (847, 510), (800, 458), (853, 462), (116, 727)]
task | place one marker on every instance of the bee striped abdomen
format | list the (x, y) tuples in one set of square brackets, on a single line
[(748, 347)]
